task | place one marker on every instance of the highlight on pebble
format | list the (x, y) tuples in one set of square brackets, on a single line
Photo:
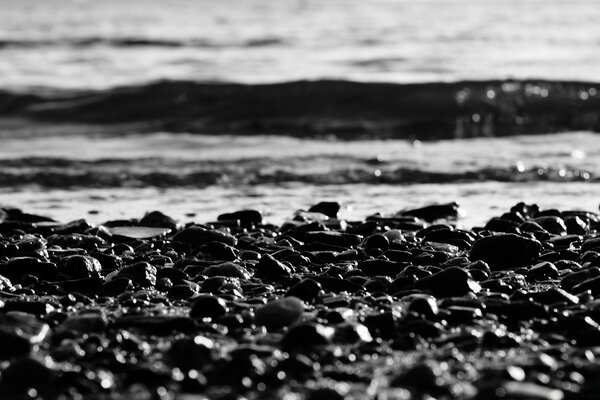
[(299, 200)]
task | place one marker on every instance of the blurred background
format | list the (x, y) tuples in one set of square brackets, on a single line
[(109, 109)]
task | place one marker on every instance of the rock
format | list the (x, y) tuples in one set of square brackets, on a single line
[(89, 322), (423, 304), (381, 325), (270, 268), (141, 273), (208, 306), (189, 353), (307, 290), (280, 313), (452, 281), (18, 267), (218, 251), (246, 217), (542, 271), (591, 244), (424, 377), (377, 241), (81, 267), (307, 335), (18, 333), (197, 236), (505, 250), (552, 224), (329, 208), (352, 332), (228, 269), (434, 212), (157, 219)]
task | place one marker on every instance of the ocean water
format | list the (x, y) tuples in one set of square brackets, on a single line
[(74, 144), (79, 43)]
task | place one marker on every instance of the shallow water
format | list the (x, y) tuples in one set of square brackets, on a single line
[(109, 177)]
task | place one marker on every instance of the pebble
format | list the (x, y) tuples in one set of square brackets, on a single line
[(280, 313), (307, 290), (78, 266), (208, 306), (504, 251), (228, 269)]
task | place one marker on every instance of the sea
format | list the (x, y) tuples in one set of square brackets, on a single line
[(110, 109)]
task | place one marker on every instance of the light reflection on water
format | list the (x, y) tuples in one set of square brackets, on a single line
[(64, 43)]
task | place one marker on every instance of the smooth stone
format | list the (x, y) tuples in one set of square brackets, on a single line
[(329, 208), (502, 225), (504, 251), (208, 306), (591, 244), (18, 333), (423, 377), (452, 281), (217, 250), (352, 332), (78, 266), (190, 353), (280, 313), (115, 287), (139, 232), (246, 217), (307, 335), (434, 212), (422, 304), (157, 219), (18, 267), (197, 236), (553, 224), (542, 271), (569, 281), (228, 269), (307, 290), (593, 285), (268, 267), (381, 325), (377, 241), (91, 322)]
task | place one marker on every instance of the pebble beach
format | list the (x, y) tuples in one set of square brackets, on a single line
[(403, 306), (299, 200)]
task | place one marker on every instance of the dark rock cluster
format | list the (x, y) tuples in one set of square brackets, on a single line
[(391, 307)]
